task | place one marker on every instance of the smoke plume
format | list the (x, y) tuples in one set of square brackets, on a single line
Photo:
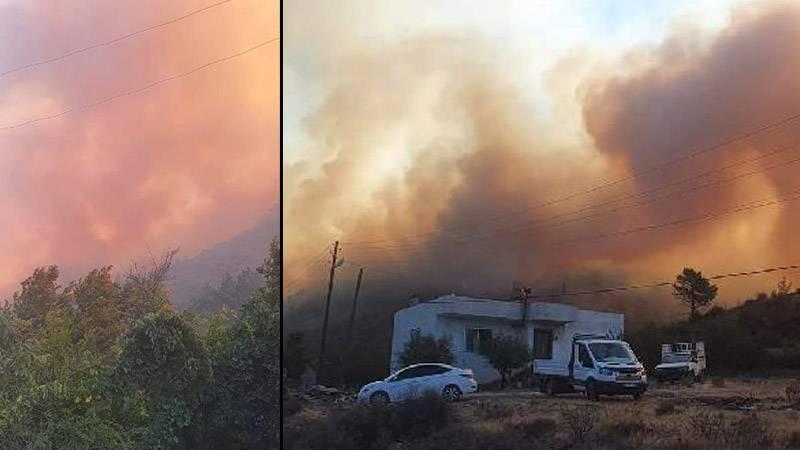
[(429, 161), (187, 163)]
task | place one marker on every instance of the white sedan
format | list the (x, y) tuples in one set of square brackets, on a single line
[(413, 381)]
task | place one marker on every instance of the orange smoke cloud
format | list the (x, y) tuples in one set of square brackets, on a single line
[(188, 163), (434, 168)]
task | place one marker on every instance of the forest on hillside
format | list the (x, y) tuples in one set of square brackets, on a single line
[(106, 364)]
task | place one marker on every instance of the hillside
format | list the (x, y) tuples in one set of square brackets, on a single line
[(191, 276), (760, 333)]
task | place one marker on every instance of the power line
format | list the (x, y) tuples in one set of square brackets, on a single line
[(685, 157), (665, 283), (141, 89), (111, 41), (653, 227), (313, 262), (522, 227)]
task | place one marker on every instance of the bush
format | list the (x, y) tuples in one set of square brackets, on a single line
[(464, 438), (665, 408), (368, 427), (426, 349), (793, 392), (493, 410), (706, 424), (419, 417), (537, 428), (580, 420), (793, 439), (627, 427), (749, 432), (292, 405)]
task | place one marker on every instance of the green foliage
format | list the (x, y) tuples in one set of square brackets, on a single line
[(100, 365), (295, 360), (693, 290), (98, 316), (40, 293), (232, 292), (144, 291), (506, 353), (426, 348), (758, 334), (164, 364), (51, 394), (243, 402)]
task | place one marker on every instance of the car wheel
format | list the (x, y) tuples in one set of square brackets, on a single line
[(379, 397), (591, 392), (451, 393)]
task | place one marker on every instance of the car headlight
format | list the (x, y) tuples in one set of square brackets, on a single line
[(606, 372)]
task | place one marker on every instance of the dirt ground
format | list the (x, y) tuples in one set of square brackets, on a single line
[(734, 413)]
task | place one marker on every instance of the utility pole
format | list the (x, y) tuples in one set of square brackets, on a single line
[(352, 324), (353, 310), (523, 295), (334, 263)]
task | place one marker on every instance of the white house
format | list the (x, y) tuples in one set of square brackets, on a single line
[(471, 322)]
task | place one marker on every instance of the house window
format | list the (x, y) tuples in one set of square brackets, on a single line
[(478, 339), (542, 344)]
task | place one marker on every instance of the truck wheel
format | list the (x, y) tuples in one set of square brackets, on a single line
[(550, 388), (700, 378), (543, 385), (591, 392), (688, 379)]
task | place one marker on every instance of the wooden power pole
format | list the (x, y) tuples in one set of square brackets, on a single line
[(351, 325), (353, 310), (334, 262)]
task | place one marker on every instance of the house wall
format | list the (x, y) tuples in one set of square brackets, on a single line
[(456, 329), (437, 319)]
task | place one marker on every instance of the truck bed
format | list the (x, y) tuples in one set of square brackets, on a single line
[(550, 367)]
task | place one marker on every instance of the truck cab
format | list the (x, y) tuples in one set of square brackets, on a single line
[(597, 366), (682, 361)]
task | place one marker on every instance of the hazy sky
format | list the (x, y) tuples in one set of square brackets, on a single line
[(539, 33), (188, 163)]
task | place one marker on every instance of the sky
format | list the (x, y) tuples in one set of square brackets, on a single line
[(187, 163), (432, 137)]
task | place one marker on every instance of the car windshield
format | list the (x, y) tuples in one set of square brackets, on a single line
[(676, 357), (612, 352)]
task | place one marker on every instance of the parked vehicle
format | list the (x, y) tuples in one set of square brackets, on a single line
[(682, 361), (413, 381), (596, 366)]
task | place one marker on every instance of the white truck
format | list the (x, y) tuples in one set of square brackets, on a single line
[(682, 361), (597, 365)]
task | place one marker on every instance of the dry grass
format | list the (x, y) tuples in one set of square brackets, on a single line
[(742, 414)]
